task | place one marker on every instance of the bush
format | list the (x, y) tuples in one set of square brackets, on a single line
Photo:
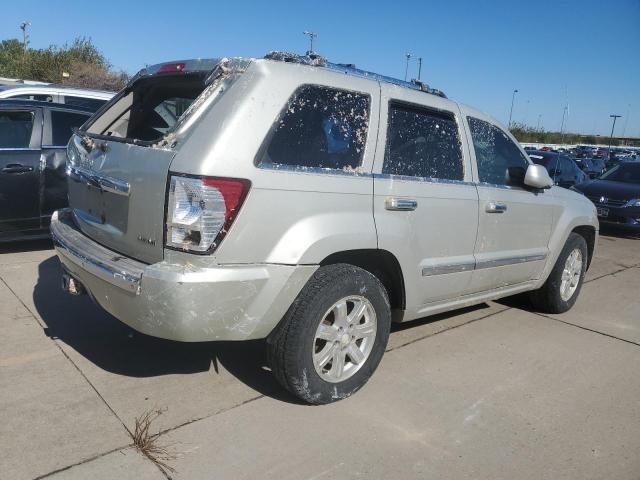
[(86, 65)]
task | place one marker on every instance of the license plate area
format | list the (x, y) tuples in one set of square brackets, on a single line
[(602, 211)]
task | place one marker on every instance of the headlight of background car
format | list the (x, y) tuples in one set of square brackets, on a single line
[(635, 202)]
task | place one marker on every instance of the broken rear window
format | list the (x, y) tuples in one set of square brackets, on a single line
[(150, 108)]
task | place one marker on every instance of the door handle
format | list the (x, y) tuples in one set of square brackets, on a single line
[(16, 168), (402, 204), (495, 207)]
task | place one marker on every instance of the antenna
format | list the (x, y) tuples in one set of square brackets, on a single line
[(406, 68), (311, 36)]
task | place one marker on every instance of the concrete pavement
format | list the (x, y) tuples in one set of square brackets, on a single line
[(493, 391)]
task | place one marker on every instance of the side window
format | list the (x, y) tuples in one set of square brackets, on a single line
[(422, 143), (15, 128), (88, 103), (62, 125), (38, 97), (320, 127), (500, 161)]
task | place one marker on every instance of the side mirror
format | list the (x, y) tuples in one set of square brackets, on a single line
[(537, 177)]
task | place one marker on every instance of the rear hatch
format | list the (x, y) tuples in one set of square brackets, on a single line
[(118, 163)]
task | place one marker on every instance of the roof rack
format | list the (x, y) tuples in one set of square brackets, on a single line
[(315, 60)]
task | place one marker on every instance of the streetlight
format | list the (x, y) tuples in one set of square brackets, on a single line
[(419, 67), (513, 98), (615, 117), (311, 36), (406, 68), (25, 38)]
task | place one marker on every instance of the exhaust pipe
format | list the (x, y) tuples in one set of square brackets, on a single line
[(72, 285)]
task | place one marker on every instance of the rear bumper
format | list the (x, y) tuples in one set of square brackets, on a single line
[(179, 302)]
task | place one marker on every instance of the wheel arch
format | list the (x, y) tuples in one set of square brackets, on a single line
[(381, 263), (588, 232)]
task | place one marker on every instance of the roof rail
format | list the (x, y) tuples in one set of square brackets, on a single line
[(313, 59)]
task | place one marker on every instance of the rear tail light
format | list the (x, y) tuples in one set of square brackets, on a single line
[(201, 210)]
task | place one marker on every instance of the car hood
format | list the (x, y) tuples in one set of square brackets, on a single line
[(610, 189)]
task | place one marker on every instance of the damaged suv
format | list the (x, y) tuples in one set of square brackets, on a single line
[(311, 204)]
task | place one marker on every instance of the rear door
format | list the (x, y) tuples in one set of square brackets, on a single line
[(514, 224), (425, 205), (20, 135), (58, 128)]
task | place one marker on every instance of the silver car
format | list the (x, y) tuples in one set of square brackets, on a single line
[(311, 204)]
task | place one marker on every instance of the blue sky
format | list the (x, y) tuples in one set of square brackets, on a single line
[(584, 53)]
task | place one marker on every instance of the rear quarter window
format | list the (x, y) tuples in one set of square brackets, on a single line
[(320, 127)]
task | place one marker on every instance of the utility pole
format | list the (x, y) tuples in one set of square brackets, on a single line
[(513, 98), (311, 36), (25, 37), (611, 137), (419, 67), (406, 68)]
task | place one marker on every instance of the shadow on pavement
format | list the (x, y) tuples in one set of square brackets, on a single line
[(116, 348), (612, 231), (26, 246)]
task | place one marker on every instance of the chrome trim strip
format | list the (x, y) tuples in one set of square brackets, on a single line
[(50, 147), (466, 266), (104, 183), (450, 268), (19, 149), (300, 169), (105, 264), (500, 262), (408, 178)]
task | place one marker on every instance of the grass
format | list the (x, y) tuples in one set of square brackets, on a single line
[(148, 444)]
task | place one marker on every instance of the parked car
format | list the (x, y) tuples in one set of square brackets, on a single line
[(592, 167), (33, 140), (309, 203), (562, 169), (84, 98), (616, 196)]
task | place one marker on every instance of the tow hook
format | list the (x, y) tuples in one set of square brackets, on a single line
[(71, 285)]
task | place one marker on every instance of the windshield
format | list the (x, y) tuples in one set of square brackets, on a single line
[(149, 109), (624, 172)]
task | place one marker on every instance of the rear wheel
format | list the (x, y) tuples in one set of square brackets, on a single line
[(333, 337), (560, 292)]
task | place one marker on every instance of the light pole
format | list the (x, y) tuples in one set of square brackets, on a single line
[(311, 36), (419, 67), (513, 99), (406, 68), (539, 120), (565, 112), (615, 117), (25, 37)]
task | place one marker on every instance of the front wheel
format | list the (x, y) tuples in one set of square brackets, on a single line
[(560, 292), (334, 335)]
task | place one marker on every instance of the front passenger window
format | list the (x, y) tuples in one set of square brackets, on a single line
[(500, 161)]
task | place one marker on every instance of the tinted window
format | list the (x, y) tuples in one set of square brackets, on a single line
[(320, 127), (500, 161), (15, 129), (62, 125), (422, 143), (92, 104), (625, 172), (39, 97)]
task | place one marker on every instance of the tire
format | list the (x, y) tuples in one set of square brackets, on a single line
[(296, 351), (550, 298)]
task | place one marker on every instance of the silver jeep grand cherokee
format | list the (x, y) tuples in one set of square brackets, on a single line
[(311, 204)]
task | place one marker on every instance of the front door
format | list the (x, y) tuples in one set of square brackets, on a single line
[(425, 203), (514, 223), (20, 133)]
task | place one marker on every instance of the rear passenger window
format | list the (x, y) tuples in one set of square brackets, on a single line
[(92, 104), (422, 143), (320, 128), (500, 161), (15, 129), (62, 125)]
